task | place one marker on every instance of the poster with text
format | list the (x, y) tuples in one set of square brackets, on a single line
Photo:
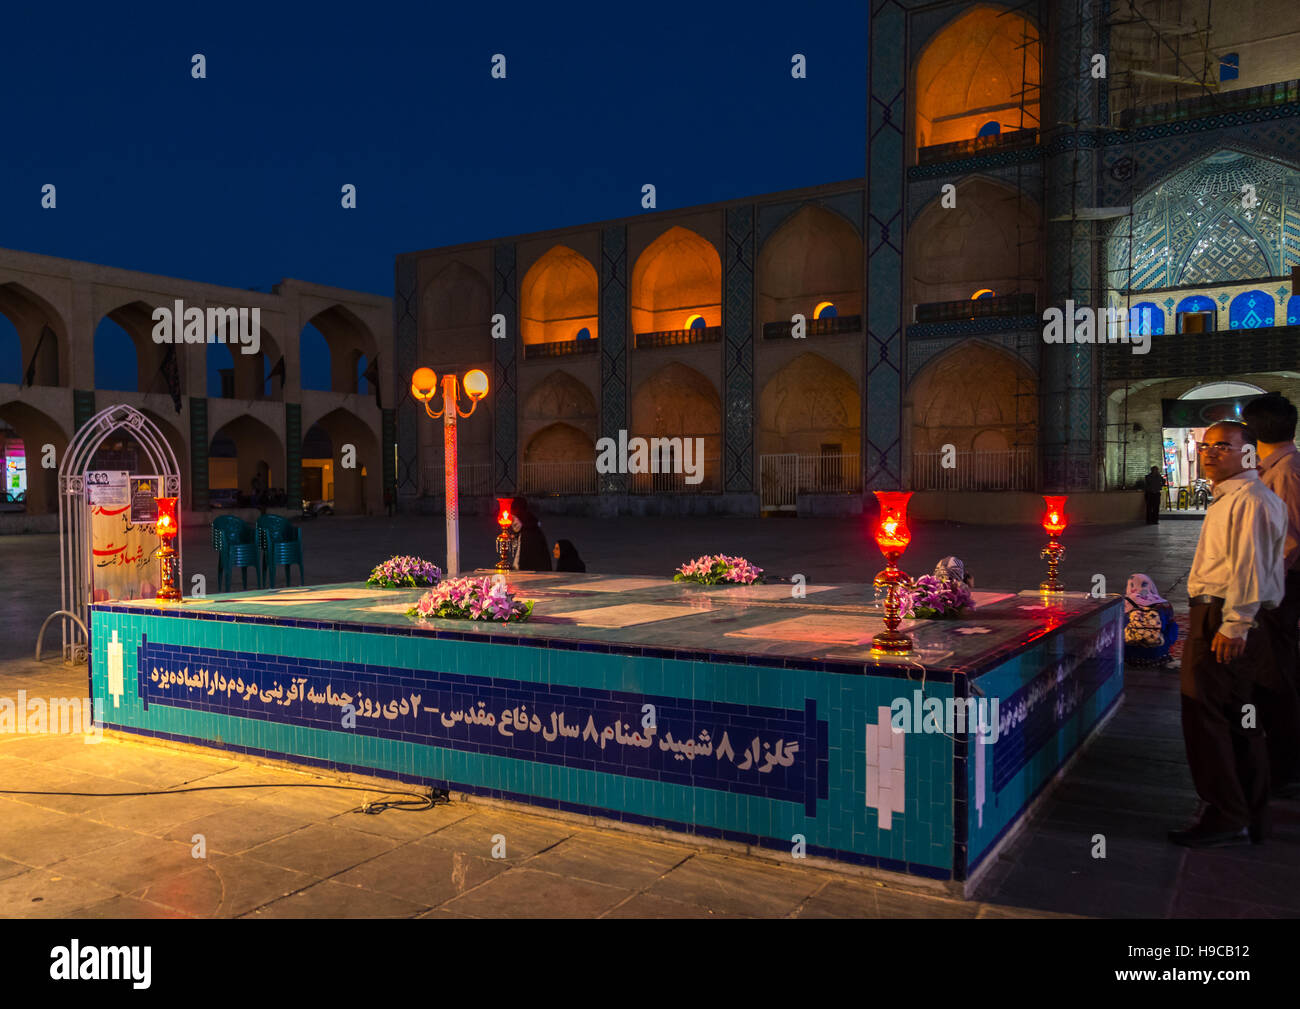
[(124, 561)]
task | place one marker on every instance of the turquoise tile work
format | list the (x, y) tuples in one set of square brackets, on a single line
[(763, 739)]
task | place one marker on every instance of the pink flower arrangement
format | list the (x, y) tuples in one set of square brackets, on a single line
[(931, 598), (714, 569), (472, 599), (404, 573)]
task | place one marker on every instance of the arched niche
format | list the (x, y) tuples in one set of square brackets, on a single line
[(815, 256), (559, 298), (965, 393), (678, 276), (810, 407), (456, 315), (678, 401), (41, 333)]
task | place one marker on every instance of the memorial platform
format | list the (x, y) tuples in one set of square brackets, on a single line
[(736, 712)]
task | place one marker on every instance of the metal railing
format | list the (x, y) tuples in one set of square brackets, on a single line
[(676, 483), (475, 479), (814, 327), (558, 477), (560, 348), (1282, 93), (977, 308), (1013, 469), (976, 145), (678, 337), (784, 476)]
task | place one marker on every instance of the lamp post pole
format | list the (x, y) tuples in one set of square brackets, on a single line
[(450, 395)]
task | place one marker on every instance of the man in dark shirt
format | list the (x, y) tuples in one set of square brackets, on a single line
[(1152, 485)]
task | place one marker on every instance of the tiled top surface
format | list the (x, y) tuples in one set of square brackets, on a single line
[(830, 627)]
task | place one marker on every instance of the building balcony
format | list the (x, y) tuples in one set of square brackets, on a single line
[(1264, 96), (835, 326), (1186, 355), (678, 337), (560, 348), (976, 308), (1012, 140)]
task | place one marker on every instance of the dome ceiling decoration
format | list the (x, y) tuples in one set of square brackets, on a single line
[(1194, 228)]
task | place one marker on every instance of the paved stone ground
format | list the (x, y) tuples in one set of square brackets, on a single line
[(291, 851)]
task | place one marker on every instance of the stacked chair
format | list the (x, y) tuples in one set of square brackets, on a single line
[(280, 543), (236, 547)]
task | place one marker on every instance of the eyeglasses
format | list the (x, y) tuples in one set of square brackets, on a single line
[(1218, 447)]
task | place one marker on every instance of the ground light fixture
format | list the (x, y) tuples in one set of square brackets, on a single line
[(506, 537), (424, 386), (169, 561), (1054, 522), (892, 536)]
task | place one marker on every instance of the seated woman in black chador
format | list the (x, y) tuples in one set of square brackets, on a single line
[(566, 557), (531, 550)]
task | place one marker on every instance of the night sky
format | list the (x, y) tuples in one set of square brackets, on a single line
[(236, 179)]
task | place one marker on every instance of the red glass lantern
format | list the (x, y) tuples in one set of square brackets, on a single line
[(892, 536), (1054, 523), (169, 563), (506, 537)]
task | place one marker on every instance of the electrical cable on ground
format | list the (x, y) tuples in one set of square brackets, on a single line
[(413, 803)]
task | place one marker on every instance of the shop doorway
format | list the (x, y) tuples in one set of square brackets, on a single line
[(1185, 421)]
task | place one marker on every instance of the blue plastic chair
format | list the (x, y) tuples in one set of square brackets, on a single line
[(243, 556), (227, 530), (280, 543)]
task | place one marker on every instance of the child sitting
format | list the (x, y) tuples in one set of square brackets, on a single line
[(1149, 626)]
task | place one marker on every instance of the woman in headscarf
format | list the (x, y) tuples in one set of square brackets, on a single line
[(532, 553), (1150, 629), (566, 557)]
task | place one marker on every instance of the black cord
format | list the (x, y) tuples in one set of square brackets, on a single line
[(416, 802)]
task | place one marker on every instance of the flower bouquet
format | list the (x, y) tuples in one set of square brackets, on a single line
[(933, 598), (715, 569), (472, 599), (404, 573)]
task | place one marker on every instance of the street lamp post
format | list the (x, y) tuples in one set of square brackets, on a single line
[(424, 386)]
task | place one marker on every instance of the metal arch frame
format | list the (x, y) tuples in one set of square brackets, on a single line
[(74, 520)]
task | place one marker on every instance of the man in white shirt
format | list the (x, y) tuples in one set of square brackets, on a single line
[(1273, 419), (1237, 571)]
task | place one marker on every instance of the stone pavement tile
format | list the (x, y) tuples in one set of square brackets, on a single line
[(1050, 890), (1066, 854), (44, 746), (1004, 911), (129, 865), (231, 829), (607, 857), (320, 803), (1233, 874), (645, 905), (224, 886), (328, 899), (526, 893), (39, 837), (404, 825), (154, 814), (128, 907), (720, 883), (442, 912), (40, 893), (321, 849), (423, 872), (1200, 905), (524, 836), (147, 767), (867, 900), (9, 868), (223, 785), (53, 778)]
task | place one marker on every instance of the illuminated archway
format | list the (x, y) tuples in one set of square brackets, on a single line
[(559, 297), (678, 275), (979, 245), (357, 475), (240, 451), (970, 77), (811, 263), (35, 430)]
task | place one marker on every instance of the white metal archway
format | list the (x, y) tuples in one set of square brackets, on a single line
[(74, 516)]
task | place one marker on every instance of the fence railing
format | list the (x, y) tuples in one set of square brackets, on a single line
[(582, 478), (475, 479), (1281, 93), (976, 145), (977, 308), (814, 327), (1013, 469), (560, 348), (784, 476), (678, 337)]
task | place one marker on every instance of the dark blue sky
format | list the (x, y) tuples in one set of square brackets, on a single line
[(236, 179)]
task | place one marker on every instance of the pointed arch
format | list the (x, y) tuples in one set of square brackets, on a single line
[(558, 297), (810, 404), (42, 335), (813, 256), (678, 275)]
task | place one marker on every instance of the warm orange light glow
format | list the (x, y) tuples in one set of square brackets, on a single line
[(981, 292), (817, 312), (504, 518), (476, 384), (892, 534), (166, 523), (1054, 519), (424, 383), (691, 320)]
